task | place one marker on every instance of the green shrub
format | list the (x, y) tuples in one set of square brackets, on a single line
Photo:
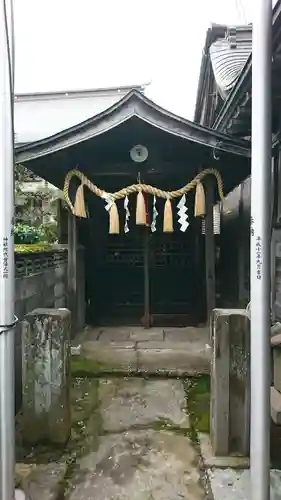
[(49, 232), (25, 234)]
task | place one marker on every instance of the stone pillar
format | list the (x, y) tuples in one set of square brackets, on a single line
[(230, 382), (46, 376)]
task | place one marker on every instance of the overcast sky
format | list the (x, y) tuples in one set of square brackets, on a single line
[(66, 44)]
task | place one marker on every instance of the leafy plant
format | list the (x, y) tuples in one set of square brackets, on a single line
[(49, 232), (33, 210), (24, 233)]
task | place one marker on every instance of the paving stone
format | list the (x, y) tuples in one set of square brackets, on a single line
[(231, 484), (20, 495), (144, 335), (113, 344), (117, 334), (224, 462), (87, 335), (138, 465), (137, 403), (182, 358), (170, 345), (22, 471), (188, 334), (111, 358), (84, 398), (45, 482), (129, 440)]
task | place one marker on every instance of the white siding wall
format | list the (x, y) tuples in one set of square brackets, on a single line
[(36, 118)]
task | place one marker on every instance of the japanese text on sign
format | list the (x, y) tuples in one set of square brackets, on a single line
[(252, 227), (259, 257), (5, 271)]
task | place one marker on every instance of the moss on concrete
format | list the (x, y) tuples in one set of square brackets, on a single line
[(82, 367), (37, 248), (198, 402)]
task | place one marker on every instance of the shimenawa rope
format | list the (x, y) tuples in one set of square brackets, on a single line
[(136, 188)]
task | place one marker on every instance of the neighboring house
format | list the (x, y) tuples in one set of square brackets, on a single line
[(226, 51), (40, 115), (224, 104)]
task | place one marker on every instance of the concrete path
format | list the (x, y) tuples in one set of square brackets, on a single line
[(169, 351), (131, 440), (230, 484)]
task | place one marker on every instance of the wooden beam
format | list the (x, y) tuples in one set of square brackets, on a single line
[(72, 271), (146, 319), (210, 248), (241, 251), (62, 221)]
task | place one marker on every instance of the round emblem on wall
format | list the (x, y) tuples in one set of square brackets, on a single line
[(139, 153)]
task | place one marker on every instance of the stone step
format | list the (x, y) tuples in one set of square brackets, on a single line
[(162, 358), (275, 403)]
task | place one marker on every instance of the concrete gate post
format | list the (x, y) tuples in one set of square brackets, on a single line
[(46, 376), (230, 382)]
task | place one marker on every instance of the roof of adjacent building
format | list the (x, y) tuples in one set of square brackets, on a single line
[(233, 114), (42, 114), (229, 55), (226, 51), (58, 94)]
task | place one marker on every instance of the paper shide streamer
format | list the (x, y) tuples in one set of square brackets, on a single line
[(182, 214), (154, 216), (127, 214)]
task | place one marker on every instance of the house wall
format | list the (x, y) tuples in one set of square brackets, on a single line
[(276, 243), (41, 282), (234, 266)]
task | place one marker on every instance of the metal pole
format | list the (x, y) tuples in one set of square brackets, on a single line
[(7, 386), (260, 249), (11, 36)]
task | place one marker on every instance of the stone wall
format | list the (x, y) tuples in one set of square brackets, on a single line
[(41, 282)]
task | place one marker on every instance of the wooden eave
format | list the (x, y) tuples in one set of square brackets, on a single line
[(134, 104)]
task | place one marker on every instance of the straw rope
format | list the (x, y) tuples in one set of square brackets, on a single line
[(135, 188)]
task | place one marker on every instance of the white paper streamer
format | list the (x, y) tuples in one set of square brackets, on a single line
[(127, 214), (154, 216), (108, 200), (182, 214)]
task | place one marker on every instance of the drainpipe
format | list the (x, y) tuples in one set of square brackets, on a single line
[(7, 276), (260, 250)]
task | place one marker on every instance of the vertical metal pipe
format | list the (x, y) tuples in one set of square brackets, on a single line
[(7, 277), (11, 36), (260, 249)]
